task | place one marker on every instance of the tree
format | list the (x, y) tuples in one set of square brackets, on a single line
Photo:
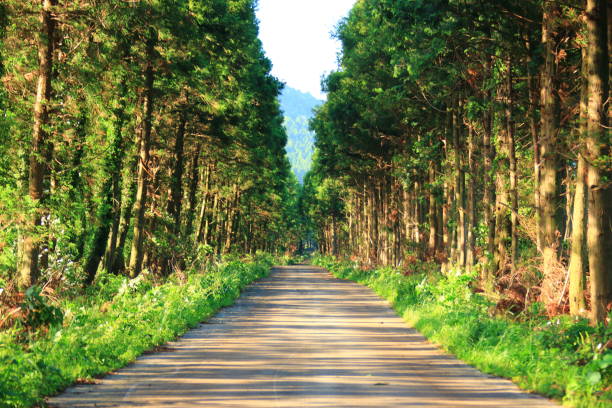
[(430, 128), (39, 155), (599, 235)]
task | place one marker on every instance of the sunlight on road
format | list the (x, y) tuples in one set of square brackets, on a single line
[(301, 338)]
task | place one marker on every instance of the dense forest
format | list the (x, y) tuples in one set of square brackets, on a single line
[(461, 168), (134, 136), (298, 108), (476, 135)]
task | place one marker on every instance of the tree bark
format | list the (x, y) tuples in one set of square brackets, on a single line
[(231, 213), (140, 204), (431, 245), (549, 165), (30, 245), (489, 193), (535, 139), (194, 180), (471, 203), (459, 188), (203, 217), (598, 144), (445, 229), (176, 181), (513, 192), (577, 261)]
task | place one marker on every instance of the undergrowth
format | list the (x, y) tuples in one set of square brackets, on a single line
[(114, 322), (563, 358)]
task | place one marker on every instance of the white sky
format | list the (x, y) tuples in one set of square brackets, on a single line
[(296, 36)]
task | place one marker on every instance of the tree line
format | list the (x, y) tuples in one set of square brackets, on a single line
[(475, 134), (136, 135)]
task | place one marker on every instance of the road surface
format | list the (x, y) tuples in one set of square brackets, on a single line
[(300, 338)]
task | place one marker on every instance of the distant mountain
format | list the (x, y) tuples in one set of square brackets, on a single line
[(297, 107)]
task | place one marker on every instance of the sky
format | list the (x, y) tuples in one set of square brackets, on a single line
[(296, 35)]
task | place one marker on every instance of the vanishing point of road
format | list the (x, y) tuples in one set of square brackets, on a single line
[(300, 338)]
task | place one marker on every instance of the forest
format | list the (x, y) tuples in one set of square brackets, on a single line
[(474, 135), (298, 109), (135, 135), (461, 169)]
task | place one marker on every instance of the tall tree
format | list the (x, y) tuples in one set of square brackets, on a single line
[(38, 161), (599, 226), (549, 137)]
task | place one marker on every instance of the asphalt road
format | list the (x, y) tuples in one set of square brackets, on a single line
[(300, 338)]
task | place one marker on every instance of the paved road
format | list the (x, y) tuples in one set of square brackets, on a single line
[(301, 338)]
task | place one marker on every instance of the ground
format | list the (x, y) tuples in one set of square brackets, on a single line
[(300, 338)]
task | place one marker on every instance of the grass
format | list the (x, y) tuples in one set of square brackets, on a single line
[(564, 359), (116, 321)]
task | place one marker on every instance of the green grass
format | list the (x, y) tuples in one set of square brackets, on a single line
[(116, 321), (560, 358)]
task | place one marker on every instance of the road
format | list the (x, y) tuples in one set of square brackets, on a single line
[(300, 338)]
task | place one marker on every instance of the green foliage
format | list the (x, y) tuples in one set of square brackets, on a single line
[(300, 145), (561, 358), (298, 109), (112, 324), (37, 312), (207, 70)]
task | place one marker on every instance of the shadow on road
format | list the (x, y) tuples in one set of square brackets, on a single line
[(301, 338)]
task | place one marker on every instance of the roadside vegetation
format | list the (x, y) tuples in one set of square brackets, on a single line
[(561, 358), (58, 341), (473, 134)]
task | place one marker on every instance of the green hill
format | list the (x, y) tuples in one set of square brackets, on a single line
[(297, 107)]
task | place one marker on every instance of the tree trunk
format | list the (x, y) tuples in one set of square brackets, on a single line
[(471, 203), (176, 182), (203, 217), (406, 213), (489, 193), (113, 235), (115, 257), (140, 204), (194, 180), (459, 189), (502, 221), (500, 255), (417, 214), (513, 192), (30, 246), (231, 212), (218, 222), (373, 236), (445, 230), (549, 165), (209, 220), (598, 144), (577, 261), (431, 245), (535, 140)]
